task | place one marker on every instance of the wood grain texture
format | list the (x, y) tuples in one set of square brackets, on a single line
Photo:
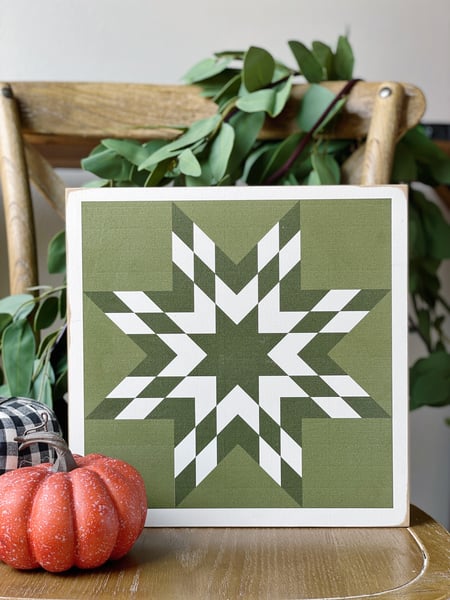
[(383, 133), (153, 111), (118, 109), (46, 180), (19, 219), (302, 563)]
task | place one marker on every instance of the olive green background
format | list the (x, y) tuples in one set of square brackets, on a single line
[(346, 243)]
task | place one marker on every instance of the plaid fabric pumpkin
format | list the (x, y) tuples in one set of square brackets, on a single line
[(16, 416)]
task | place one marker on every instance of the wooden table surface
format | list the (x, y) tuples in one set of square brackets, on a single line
[(226, 563)]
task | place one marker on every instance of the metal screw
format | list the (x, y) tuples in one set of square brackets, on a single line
[(385, 92)]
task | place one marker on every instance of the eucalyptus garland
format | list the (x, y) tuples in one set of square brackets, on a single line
[(227, 148)]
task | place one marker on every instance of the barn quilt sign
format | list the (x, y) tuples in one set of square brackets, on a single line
[(245, 349)]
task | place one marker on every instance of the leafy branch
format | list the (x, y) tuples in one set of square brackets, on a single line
[(31, 366), (225, 149)]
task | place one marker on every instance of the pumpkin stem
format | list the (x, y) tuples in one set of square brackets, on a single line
[(65, 461)]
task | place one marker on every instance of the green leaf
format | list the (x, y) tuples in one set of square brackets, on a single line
[(413, 282), (131, 150), (261, 100), (47, 342), (291, 179), (206, 177), (427, 284), (43, 381), (324, 55), (232, 54), (4, 390), (97, 183), (282, 94), (438, 234), (107, 164), (60, 387), (137, 178), (282, 71), (333, 112), (404, 168), (246, 130), (313, 178), (206, 68), (343, 60), (188, 163), (435, 227), (282, 153), (221, 148), (416, 234), (5, 320), (334, 147), (56, 256), (309, 65), (196, 132), (434, 162), (19, 306), (315, 102), (228, 91), (212, 87), (256, 163), (158, 173), (440, 170), (154, 145), (326, 168), (430, 381), (423, 148), (62, 303), (19, 350), (58, 355), (303, 167), (272, 101), (46, 313), (258, 68)]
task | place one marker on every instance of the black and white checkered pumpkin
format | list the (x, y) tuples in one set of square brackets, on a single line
[(16, 416)]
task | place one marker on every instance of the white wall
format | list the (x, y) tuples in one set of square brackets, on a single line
[(150, 41), (141, 40)]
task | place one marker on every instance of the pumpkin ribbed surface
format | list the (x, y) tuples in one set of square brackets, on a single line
[(80, 518)]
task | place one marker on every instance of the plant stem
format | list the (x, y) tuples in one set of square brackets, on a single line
[(416, 328), (279, 173), (65, 461)]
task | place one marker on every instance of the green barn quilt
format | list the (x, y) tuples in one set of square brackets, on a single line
[(245, 349)]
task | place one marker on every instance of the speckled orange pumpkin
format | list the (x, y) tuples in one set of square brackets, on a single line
[(80, 512)]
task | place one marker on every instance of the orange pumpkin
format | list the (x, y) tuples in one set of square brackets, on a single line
[(81, 511)]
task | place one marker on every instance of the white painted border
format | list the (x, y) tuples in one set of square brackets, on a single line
[(74, 269), (398, 515)]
